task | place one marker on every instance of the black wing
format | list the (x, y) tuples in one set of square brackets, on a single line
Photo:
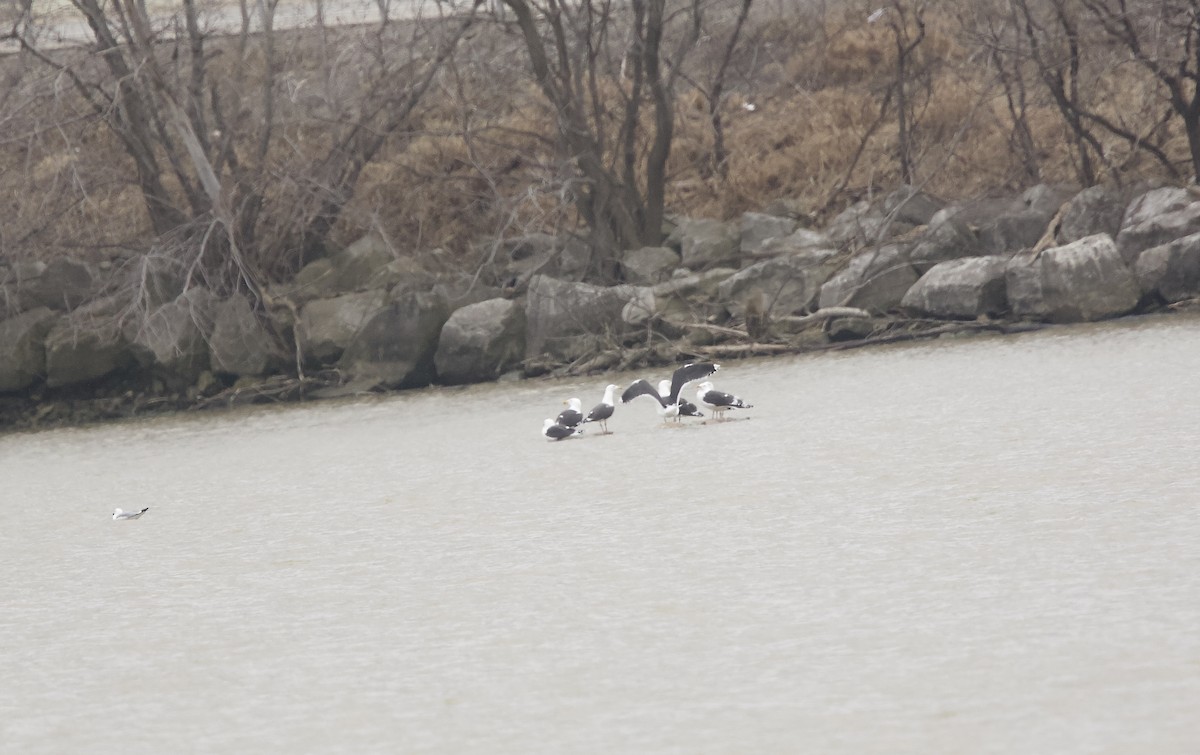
[(599, 412), (569, 418), (688, 409), (718, 398), (689, 373), (641, 388)]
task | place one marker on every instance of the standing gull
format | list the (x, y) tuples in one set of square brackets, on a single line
[(718, 401), (122, 514), (669, 402), (602, 411)]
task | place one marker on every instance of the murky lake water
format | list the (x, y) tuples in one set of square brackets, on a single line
[(987, 545)]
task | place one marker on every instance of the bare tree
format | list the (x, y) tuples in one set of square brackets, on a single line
[(602, 65), (908, 32), (244, 165), (1163, 37)]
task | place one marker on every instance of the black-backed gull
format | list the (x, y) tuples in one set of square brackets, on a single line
[(572, 415), (718, 401), (555, 431), (669, 402), (602, 411)]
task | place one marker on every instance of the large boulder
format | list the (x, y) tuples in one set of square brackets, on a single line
[(396, 347), (481, 342), (520, 257), (784, 284), (757, 228), (241, 344), (964, 288), (358, 265), (566, 320), (156, 277), (88, 344), (61, 284), (177, 334), (23, 349), (1081, 281), (705, 243), (461, 290), (1096, 209), (876, 279), (649, 264), (1156, 217), (911, 207), (949, 237), (799, 240), (858, 225), (327, 326), (1023, 223), (1172, 270)]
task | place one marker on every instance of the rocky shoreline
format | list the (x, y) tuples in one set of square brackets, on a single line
[(368, 319)]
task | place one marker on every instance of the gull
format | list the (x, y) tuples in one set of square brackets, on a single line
[(555, 431), (718, 401), (122, 514), (572, 415), (668, 401), (602, 411)]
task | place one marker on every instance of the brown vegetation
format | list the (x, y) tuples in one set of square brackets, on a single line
[(316, 136)]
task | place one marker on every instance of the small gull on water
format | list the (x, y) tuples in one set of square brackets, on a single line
[(122, 514)]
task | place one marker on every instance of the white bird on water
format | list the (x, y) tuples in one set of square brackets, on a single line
[(122, 514)]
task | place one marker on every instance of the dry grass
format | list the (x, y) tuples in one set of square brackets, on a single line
[(816, 85)]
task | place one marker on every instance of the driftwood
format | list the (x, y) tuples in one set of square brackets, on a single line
[(949, 328), (821, 315), (743, 349), (276, 388)]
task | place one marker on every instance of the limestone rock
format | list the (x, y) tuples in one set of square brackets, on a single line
[(87, 345), (481, 342), (356, 266), (856, 226), (1155, 218), (61, 284), (1171, 270), (1081, 281), (799, 240), (520, 257), (396, 347), (911, 207), (784, 284), (565, 320), (947, 238), (1096, 209), (241, 344), (757, 228), (177, 333), (22, 348), (963, 288), (650, 264), (327, 326), (875, 279), (705, 243)]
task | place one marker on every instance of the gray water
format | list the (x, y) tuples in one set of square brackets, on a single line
[(985, 545)]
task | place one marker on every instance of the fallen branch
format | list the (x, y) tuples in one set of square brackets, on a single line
[(715, 329), (960, 327), (828, 313), (743, 349)]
